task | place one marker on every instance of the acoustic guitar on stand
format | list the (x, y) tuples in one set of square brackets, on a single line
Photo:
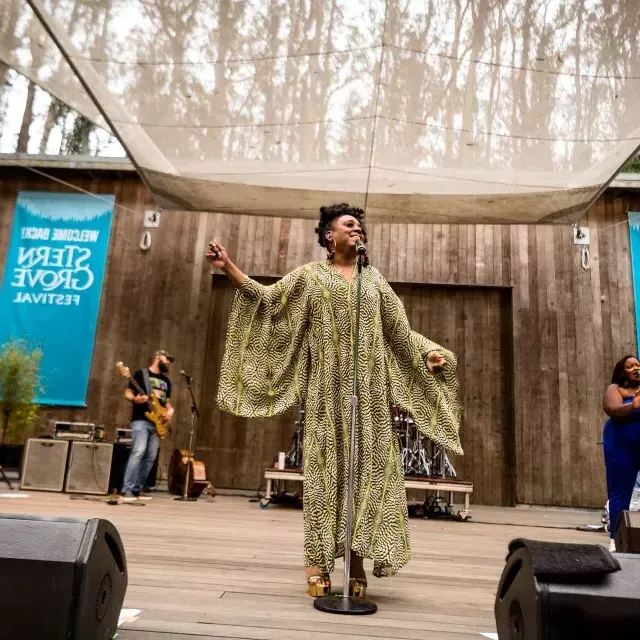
[(157, 414)]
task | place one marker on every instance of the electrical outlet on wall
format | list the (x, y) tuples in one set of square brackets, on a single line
[(152, 218), (581, 235)]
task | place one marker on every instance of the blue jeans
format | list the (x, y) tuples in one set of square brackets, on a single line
[(144, 450)]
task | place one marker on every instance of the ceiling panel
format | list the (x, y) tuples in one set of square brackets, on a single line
[(464, 110)]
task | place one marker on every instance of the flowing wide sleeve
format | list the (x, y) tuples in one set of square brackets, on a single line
[(432, 400), (265, 364)]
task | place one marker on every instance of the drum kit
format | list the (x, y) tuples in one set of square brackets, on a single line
[(420, 456), (421, 459)]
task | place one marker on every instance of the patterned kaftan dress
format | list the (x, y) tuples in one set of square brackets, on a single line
[(292, 342)]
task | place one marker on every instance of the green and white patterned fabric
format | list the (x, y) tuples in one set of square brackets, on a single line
[(292, 342)]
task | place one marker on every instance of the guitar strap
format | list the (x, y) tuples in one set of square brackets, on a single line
[(147, 382)]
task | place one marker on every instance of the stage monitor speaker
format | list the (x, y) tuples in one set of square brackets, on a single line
[(60, 578), (628, 532), (89, 468), (44, 464), (553, 591)]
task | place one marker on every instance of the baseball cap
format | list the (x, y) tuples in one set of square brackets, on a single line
[(163, 352)]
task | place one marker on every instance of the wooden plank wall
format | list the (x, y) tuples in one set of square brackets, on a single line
[(456, 316), (569, 325), (237, 450)]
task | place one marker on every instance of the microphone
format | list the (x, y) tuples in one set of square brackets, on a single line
[(637, 374), (361, 248), (186, 375)]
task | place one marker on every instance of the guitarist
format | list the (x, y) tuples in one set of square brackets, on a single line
[(145, 441)]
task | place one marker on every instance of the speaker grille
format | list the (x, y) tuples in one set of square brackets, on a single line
[(103, 598), (44, 464), (89, 468)]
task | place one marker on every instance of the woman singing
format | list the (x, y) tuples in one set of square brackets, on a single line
[(621, 401), (292, 342)]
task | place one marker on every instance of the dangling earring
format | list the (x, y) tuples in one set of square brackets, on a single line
[(330, 253)]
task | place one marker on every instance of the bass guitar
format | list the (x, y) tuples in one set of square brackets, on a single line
[(156, 414)]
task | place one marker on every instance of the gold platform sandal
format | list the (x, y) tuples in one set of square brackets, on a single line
[(358, 587), (319, 586)]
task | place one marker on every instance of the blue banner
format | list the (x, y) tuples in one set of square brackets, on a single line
[(634, 236), (52, 285)]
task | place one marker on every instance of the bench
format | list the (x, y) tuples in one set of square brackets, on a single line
[(438, 485)]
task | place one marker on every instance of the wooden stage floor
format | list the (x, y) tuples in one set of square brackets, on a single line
[(224, 568)]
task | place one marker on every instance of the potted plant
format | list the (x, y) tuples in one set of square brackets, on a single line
[(19, 386)]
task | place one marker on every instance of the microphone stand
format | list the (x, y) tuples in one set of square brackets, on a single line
[(346, 604), (195, 414)]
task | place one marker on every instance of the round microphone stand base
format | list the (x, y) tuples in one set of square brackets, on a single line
[(186, 499), (348, 606)]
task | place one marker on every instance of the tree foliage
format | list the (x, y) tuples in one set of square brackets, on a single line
[(19, 386), (633, 166)]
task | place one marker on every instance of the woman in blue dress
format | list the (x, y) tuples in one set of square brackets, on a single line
[(621, 402)]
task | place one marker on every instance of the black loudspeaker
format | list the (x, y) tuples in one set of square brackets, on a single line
[(60, 578), (628, 532), (552, 591)]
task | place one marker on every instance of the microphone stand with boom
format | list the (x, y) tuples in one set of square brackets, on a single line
[(346, 604), (195, 414)]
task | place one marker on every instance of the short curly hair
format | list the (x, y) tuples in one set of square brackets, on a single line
[(329, 213)]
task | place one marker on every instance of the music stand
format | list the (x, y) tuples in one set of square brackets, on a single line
[(195, 414)]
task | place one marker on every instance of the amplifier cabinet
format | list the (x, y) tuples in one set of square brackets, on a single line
[(89, 468), (44, 464)]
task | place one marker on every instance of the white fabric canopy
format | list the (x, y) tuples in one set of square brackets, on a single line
[(425, 111)]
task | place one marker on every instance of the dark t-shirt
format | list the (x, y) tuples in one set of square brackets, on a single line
[(161, 386)]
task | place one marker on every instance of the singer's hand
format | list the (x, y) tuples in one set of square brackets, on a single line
[(435, 362), (217, 255), (636, 402)]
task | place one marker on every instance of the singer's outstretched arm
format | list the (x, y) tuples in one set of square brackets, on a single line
[(422, 374), (265, 366), (217, 256)]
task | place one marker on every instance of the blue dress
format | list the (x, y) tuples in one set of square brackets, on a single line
[(622, 460)]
